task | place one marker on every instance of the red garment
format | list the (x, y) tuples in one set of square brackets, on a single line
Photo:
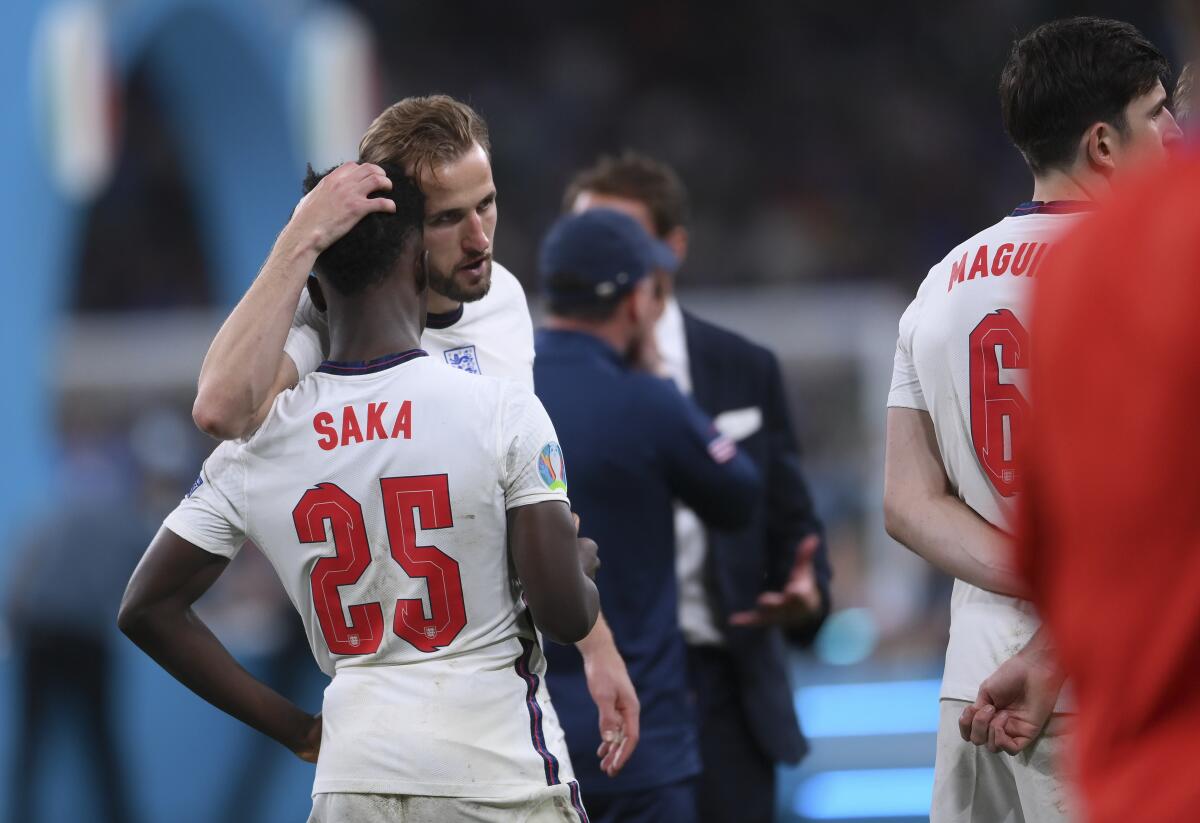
[(1110, 518)]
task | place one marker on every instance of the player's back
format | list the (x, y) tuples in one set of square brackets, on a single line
[(962, 356), (379, 492)]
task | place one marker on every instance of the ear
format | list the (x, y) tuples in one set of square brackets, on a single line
[(1100, 146), (677, 240), (314, 292)]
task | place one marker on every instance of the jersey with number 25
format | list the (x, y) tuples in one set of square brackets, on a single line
[(379, 492), (963, 357)]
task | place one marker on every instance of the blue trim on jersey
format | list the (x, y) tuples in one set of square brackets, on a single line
[(1053, 207), (444, 320), (535, 712), (370, 366), (577, 802)]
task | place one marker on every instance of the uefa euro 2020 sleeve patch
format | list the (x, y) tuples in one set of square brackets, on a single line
[(552, 469)]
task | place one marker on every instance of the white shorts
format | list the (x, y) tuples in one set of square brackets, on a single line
[(972, 785), (550, 804)]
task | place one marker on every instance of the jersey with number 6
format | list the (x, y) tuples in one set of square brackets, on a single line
[(963, 357), (379, 492)]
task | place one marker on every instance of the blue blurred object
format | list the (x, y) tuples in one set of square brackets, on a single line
[(865, 793), (850, 709)]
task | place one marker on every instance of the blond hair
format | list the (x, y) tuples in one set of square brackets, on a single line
[(422, 133)]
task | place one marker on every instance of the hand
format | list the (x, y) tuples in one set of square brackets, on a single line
[(310, 741), (1014, 704), (613, 693), (800, 600), (337, 203), (589, 552)]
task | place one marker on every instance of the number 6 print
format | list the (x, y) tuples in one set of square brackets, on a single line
[(998, 340), (429, 497)]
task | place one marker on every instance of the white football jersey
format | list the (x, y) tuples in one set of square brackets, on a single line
[(492, 336), (379, 492), (962, 356)]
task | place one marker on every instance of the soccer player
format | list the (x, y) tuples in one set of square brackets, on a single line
[(411, 511), (478, 319), (1084, 101)]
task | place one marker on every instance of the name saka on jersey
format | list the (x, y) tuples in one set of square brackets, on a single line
[(379, 492), (962, 356)]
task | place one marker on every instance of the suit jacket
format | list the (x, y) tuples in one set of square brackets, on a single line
[(730, 373)]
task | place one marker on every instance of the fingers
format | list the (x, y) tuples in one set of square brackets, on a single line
[(964, 722), (575, 520), (980, 723), (807, 550), (750, 618)]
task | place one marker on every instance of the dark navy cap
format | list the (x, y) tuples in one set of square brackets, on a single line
[(599, 254)]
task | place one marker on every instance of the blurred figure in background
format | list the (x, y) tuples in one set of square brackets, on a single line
[(1084, 100), (737, 588), (63, 593), (635, 444)]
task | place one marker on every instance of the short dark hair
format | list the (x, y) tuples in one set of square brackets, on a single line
[(1068, 74), (640, 178), (563, 298), (367, 253)]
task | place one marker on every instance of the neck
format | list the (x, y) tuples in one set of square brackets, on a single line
[(606, 331), (1068, 184), (441, 304), (380, 321)]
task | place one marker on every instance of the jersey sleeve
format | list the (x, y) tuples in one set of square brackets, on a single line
[(533, 468), (308, 338), (906, 388), (213, 514)]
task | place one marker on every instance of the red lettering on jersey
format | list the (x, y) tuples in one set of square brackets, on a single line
[(403, 424), (375, 421), (1037, 259), (350, 427), (1021, 260), (1003, 256), (957, 270), (980, 266), (323, 423)]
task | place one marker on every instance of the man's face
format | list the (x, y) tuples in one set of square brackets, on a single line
[(1151, 132), (460, 222)]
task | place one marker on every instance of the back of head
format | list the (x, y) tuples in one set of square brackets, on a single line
[(421, 133), (636, 177), (368, 253), (1067, 75)]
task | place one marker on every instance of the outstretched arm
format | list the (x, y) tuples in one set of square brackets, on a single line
[(922, 512), (156, 614), (246, 367)]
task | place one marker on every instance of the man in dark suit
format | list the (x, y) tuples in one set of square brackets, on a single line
[(743, 592)]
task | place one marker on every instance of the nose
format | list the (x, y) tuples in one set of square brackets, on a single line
[(1172, 134), (475, 239)]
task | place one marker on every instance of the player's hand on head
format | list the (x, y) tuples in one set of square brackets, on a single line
[(798, 602), (338, 202)]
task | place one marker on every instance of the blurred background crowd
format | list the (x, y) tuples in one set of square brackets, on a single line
[(834, 152)]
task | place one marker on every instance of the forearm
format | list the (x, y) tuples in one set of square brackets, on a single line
[(599, 641), (241, 365), (950, 535), (181, 643)]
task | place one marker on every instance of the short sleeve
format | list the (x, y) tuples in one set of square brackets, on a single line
[(534, 469), (213, 514), (906, 387), (308, 338)]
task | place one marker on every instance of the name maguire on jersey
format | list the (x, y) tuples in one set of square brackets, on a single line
[(1008, 258)]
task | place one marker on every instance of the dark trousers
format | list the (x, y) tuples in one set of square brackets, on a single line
[(674, 803), (738, 781), (66, 672)]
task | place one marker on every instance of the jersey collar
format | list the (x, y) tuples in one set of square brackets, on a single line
[(444, 320), (1053, 207), (370, 366)]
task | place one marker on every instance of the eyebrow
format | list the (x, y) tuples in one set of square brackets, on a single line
[(458, 213), (1161, 104)]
